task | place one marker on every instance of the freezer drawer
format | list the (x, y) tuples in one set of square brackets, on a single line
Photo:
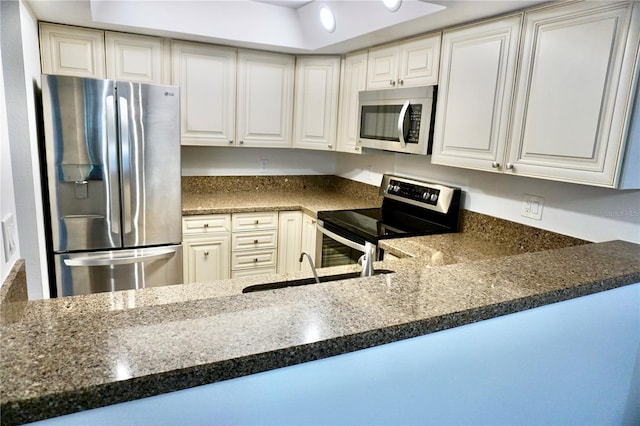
[(95, 272)]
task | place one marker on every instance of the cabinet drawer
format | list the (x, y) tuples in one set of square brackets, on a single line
[(253, 221), (252, 272), (254, 240), (206, 224), (253, 259)]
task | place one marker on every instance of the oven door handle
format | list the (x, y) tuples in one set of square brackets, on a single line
[(342, 240), (403, 120)]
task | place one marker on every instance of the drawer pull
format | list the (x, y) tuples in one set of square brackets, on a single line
[(206, 225), (255, 241), (206, 253), (255, 260), (257, 221)]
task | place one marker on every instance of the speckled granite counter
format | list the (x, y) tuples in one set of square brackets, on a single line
[(66, 355)]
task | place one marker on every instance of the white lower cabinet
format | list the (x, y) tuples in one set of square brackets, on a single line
[(206, 244), (238, 245), (289, 241), (254, 248)]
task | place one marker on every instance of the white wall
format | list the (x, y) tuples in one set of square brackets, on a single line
[(220, 161), (591, 213), (21, 72), (7, 200)]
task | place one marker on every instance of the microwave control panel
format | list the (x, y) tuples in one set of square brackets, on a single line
[(414, 124)]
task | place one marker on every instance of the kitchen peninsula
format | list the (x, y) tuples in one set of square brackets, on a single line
[(71, 354)]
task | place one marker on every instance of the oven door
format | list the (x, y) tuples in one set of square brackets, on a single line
[(338, 250)]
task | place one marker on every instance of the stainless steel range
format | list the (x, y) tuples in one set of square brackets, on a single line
[(409, 208)]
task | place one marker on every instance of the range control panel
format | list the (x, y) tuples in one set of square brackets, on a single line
[(413, 192), (427, 195)]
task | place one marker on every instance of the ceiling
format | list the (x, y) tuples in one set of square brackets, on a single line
[(290, 26)]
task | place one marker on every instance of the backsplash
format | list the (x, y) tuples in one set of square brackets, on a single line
[(218, 184), (519, 238)]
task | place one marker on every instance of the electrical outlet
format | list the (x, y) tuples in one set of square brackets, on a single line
[(532, 206), (9, 237)]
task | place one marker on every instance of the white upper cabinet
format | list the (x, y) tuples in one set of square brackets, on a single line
[(353, 78), (137, 58), (78, 52), (478, 68), (405, 64), (316, 102), (207, 78), (574, 92), (265, 99)]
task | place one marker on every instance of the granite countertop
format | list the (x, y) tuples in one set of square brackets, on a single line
[(65, 355)]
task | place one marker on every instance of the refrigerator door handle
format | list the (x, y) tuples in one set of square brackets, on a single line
[(126, 163), (108, 260), (113, 190)]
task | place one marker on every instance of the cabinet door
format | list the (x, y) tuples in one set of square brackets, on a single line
[(475, 93), (352, 80), (316, 103), (419, 61), (207, 78), (574, 91), (77, 52), (265, 99), (382, 69), (136, 58), (206, 258), (310, 241), (289, 241)]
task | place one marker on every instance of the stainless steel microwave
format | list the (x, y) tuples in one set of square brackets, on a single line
[(397, 119)]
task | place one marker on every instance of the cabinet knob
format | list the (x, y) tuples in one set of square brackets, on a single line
[(206, 225), (400, 82), (330, 146), (206, 253), (495, 164), (509, 166), (255, 260), (241, 142), (313, 222), (257, 221), (255, 241), (230, 141), (357, 148), (392, 82)]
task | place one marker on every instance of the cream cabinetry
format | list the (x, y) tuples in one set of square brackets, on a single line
[(311, 241), (574, 92), (477, 75), (353, 78), (289, 241), (207, 78), (138, 58), (316, 102), (413, 62), (265, 99), (206, 245), (254, 243), (73, 51)]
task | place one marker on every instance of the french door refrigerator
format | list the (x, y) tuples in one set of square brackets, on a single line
[(111, 155)]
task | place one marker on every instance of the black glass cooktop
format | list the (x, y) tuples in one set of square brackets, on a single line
[(376, 224)]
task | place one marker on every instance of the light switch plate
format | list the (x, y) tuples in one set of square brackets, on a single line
[(532, 206), (9, 237)]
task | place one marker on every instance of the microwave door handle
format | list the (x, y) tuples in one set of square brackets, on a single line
[(340, 239), (401, 123)]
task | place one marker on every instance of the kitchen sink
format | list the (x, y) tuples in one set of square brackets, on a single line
[(307, 281)]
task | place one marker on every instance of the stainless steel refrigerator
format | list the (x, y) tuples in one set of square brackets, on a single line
[(112, 164)]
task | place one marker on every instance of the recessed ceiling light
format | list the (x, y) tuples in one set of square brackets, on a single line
[(327, 18), (392, 5)]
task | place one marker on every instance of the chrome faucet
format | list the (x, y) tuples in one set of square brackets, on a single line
[(366, 260), (313, 268)]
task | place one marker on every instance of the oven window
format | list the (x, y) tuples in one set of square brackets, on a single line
[(380, 122), (337, 254)]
